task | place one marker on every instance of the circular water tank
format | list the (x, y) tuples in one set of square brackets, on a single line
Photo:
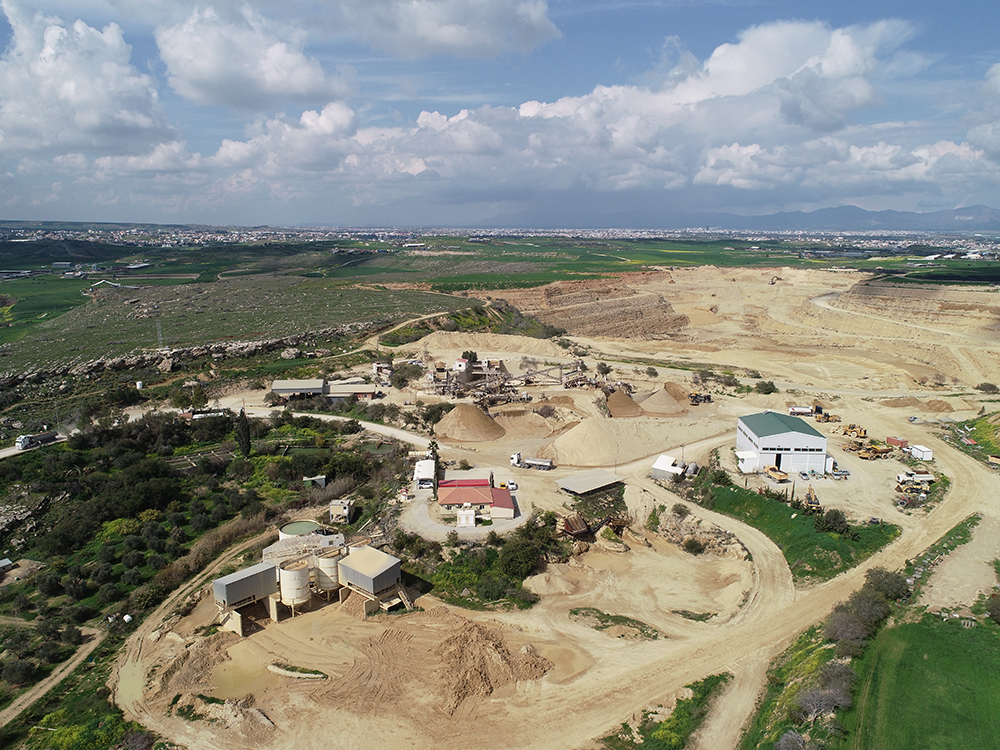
[(327, 570), (293, 529), (293, 578)]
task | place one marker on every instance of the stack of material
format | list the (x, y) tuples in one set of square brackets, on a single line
[(468, 424)]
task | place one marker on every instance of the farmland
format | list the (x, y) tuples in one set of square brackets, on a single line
[(911, 672)]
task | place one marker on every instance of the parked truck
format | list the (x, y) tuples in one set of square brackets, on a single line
[(800, 411), (775, 474), (531, 463), (24, 442), (915, 477)]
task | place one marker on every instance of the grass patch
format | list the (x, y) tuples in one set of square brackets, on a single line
[(673, 732), (602, 621), (696, 616), (810, 553), (297, 670), (910, 672)]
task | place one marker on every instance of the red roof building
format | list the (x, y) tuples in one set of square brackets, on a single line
[(479, 496)]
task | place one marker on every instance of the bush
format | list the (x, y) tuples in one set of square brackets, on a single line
[(518, 558), (720, 477), (681, 510), (493, 586), (891, 585), (547, 411), (987, 388), (765, 387), (652, 372), (694, 545), (834, 520)]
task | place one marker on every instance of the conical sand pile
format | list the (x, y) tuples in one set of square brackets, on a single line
[(663, 403), (621, 405), (468, 424)]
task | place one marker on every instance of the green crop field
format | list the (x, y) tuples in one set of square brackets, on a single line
[(928, 684), (810, 553)]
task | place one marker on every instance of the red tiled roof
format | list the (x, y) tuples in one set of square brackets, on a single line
[(464, 483), (495, 497)]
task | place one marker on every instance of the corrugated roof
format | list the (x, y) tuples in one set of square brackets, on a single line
[(774, 423), (588, 481), (239, 575), (369, 561), (299, 385)]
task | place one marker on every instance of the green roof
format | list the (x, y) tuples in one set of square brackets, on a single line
[(769, 423)]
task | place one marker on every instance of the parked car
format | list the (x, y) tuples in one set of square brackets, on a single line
[(911, 419), (803, 475), (512, 486)]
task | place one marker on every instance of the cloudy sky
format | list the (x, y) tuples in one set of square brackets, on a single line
[(493, 112)]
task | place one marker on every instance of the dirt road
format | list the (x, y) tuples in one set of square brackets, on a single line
[(94, 638)]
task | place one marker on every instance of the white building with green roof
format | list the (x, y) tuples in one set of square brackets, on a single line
[(771, 438)]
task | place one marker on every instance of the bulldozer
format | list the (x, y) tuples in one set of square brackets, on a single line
[(855, 445), (699, 398), (854, 431), (827, 417)]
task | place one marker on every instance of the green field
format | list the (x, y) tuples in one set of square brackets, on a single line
[(928, 684), (810, 554)]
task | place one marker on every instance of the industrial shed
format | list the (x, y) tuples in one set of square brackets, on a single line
[(425, 474), (588, 481), (773, 439), (666, 467), (344, 391), (286, 388), (369, 570), (246, 586)]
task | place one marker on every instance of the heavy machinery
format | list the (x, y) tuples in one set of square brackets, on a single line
[(775, 474), (826, 416), (854, 431), (812, 501), (531, 463), (874, 452), (854, 446), (699, 398)]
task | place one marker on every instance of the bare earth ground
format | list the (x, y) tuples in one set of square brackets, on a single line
[(542, 679)]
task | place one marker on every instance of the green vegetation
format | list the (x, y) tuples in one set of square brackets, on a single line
[(297, 670), (481, 575), (811, 553), (602, 621), (599, 504), (673, 732), (984, 431), (696, 616), (910, 671)]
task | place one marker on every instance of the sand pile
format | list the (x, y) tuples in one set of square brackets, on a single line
[(909, 402), (524, 425), (476, 662), (664, 404), (600, 442), (468, 424), (621, 405), (938, 406)]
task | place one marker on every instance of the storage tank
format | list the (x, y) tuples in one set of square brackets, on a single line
[(327, 574), (293, 579), (297, 528)]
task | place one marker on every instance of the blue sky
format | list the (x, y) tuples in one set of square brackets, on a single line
[(492, 112)]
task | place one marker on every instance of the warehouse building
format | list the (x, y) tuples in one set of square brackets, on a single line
[(246, 586), (773, 439)]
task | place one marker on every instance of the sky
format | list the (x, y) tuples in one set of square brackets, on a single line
[(521, 113)]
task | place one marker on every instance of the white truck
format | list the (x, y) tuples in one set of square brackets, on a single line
[(801, 411), (24, 442), (531, 463)]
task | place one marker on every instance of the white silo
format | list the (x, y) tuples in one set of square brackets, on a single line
[(293, 579), (327, 573)]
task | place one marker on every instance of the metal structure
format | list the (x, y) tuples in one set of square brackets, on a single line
[(328, 571), (246, 586), (294, 580)]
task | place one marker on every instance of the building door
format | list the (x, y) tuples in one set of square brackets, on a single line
[(777, 460)]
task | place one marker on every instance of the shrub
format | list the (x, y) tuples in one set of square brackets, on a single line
[(652, 372), (833, 520), (766, 387), (891, 585), (681, 510), (987, 388), (694, 545), (546, 411)]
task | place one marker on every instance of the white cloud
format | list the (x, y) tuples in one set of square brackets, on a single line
[(241, 62), (70, 87), (465, 28)]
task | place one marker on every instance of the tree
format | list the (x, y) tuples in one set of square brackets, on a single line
[(198, 398), (603, 369), (987, 388), (681, 510), (471, 356), (518, 558), (870, 606), (834, 520), (652, 372), (766, 387), (243, 433), (694, 545), (791, 740), (890, 585)]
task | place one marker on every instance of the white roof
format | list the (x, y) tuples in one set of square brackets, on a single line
[(745, 455), (369, 561), (588, 481), (664, 462), (424, 469)]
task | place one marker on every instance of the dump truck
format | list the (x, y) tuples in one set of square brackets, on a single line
[(24, 442), (699, 398), (854, 431), (824, 416), (775, 474), (874, 452), (531, 463)]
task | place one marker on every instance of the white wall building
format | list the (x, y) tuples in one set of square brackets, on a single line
[(773, 439)]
